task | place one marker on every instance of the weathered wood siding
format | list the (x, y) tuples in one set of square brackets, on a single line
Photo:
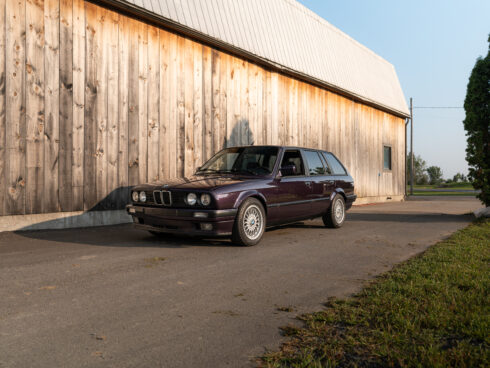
[(92, 102)]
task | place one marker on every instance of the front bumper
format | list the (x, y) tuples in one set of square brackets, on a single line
[(183, 221)]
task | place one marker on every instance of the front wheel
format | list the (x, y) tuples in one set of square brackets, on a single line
[(335, 215), (249, 223)]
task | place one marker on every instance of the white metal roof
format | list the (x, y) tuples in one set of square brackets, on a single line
[(291, 36)]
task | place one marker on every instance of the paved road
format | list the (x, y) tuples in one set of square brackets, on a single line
[(99, 298)]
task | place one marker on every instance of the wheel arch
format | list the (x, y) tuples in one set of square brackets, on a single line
[(251, 194)]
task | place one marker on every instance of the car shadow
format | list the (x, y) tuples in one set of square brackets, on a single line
[(126, 235)]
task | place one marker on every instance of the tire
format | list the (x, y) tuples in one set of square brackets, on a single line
[(335, 216), (249, 224)]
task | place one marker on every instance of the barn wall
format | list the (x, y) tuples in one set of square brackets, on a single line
[(92, 102)]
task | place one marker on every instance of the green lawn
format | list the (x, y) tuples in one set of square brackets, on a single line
[(465, 186), (431, 311), (422, 193)]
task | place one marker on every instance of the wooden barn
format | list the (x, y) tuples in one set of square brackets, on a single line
[(96, 96)]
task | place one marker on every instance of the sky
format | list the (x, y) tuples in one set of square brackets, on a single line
[(433, 46)]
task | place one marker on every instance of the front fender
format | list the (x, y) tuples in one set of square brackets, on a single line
[(247, 194)]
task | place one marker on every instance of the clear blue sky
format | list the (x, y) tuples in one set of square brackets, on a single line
[(433, 45)]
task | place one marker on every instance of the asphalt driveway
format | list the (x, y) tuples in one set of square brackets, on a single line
[(118, 297)]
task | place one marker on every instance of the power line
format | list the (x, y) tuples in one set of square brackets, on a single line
[(438, 107)]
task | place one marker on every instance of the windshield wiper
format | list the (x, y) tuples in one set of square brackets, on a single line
[(213, 171), (245, 171)]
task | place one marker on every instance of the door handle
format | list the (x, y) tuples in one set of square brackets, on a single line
[(308, 183)]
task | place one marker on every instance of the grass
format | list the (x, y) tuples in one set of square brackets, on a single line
[(422, 193), (431, 311), (465, 186)]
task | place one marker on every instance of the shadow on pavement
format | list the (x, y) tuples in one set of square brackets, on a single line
[(126, 236), (120, 236), (408, 218)]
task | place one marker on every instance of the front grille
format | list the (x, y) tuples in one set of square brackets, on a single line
[(162, 197), (149, 197)]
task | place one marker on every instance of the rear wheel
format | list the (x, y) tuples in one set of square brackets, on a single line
[(335, 216), (249, 224)]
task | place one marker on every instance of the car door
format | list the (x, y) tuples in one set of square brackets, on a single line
[(291, 199), (321, 184)]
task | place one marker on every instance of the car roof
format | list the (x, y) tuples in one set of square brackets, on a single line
[(285, 147)]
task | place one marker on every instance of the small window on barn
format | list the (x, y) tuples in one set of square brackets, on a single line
[(387, 157)]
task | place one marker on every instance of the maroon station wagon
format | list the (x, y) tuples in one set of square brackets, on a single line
[(242, 190)]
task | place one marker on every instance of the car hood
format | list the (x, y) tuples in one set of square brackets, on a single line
[(193, 182)]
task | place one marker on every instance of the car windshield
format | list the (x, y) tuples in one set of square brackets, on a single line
[(242, 160)]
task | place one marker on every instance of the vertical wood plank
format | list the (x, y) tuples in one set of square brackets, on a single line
[(153, 104), (78, 103), (235, 130), (223, 95), (143, 101), (244, 118), (34, 105), (259, 133), (208, 94), (90, 121), (102, 40), (2, 107), (181, 110), (216, 101), (173, 119), (112, 30), (15, 114), (164, 100), (252, 102), (52, 105), (123, 99), (66, 105), (133, 107), (230, 96), (274, 108), (189, 106), (197, 127)]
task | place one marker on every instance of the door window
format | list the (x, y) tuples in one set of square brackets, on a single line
[(294, 158), (315, 164)]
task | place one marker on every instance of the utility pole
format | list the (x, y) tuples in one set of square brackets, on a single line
[(411, 147)]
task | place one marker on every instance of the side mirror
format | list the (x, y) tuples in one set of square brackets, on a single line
[(288, 170)]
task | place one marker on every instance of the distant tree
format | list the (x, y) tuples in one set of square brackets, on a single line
[(459, 178), (476, 124), (435, 174), (419, 167)]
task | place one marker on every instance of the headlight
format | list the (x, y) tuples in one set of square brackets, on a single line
[(191, 199), (142, 196), (205, 199), (135, 197)]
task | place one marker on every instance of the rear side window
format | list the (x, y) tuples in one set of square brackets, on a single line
[(335, 164), (315, 164)]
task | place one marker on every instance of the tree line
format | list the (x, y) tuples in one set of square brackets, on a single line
[(423, 174)]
